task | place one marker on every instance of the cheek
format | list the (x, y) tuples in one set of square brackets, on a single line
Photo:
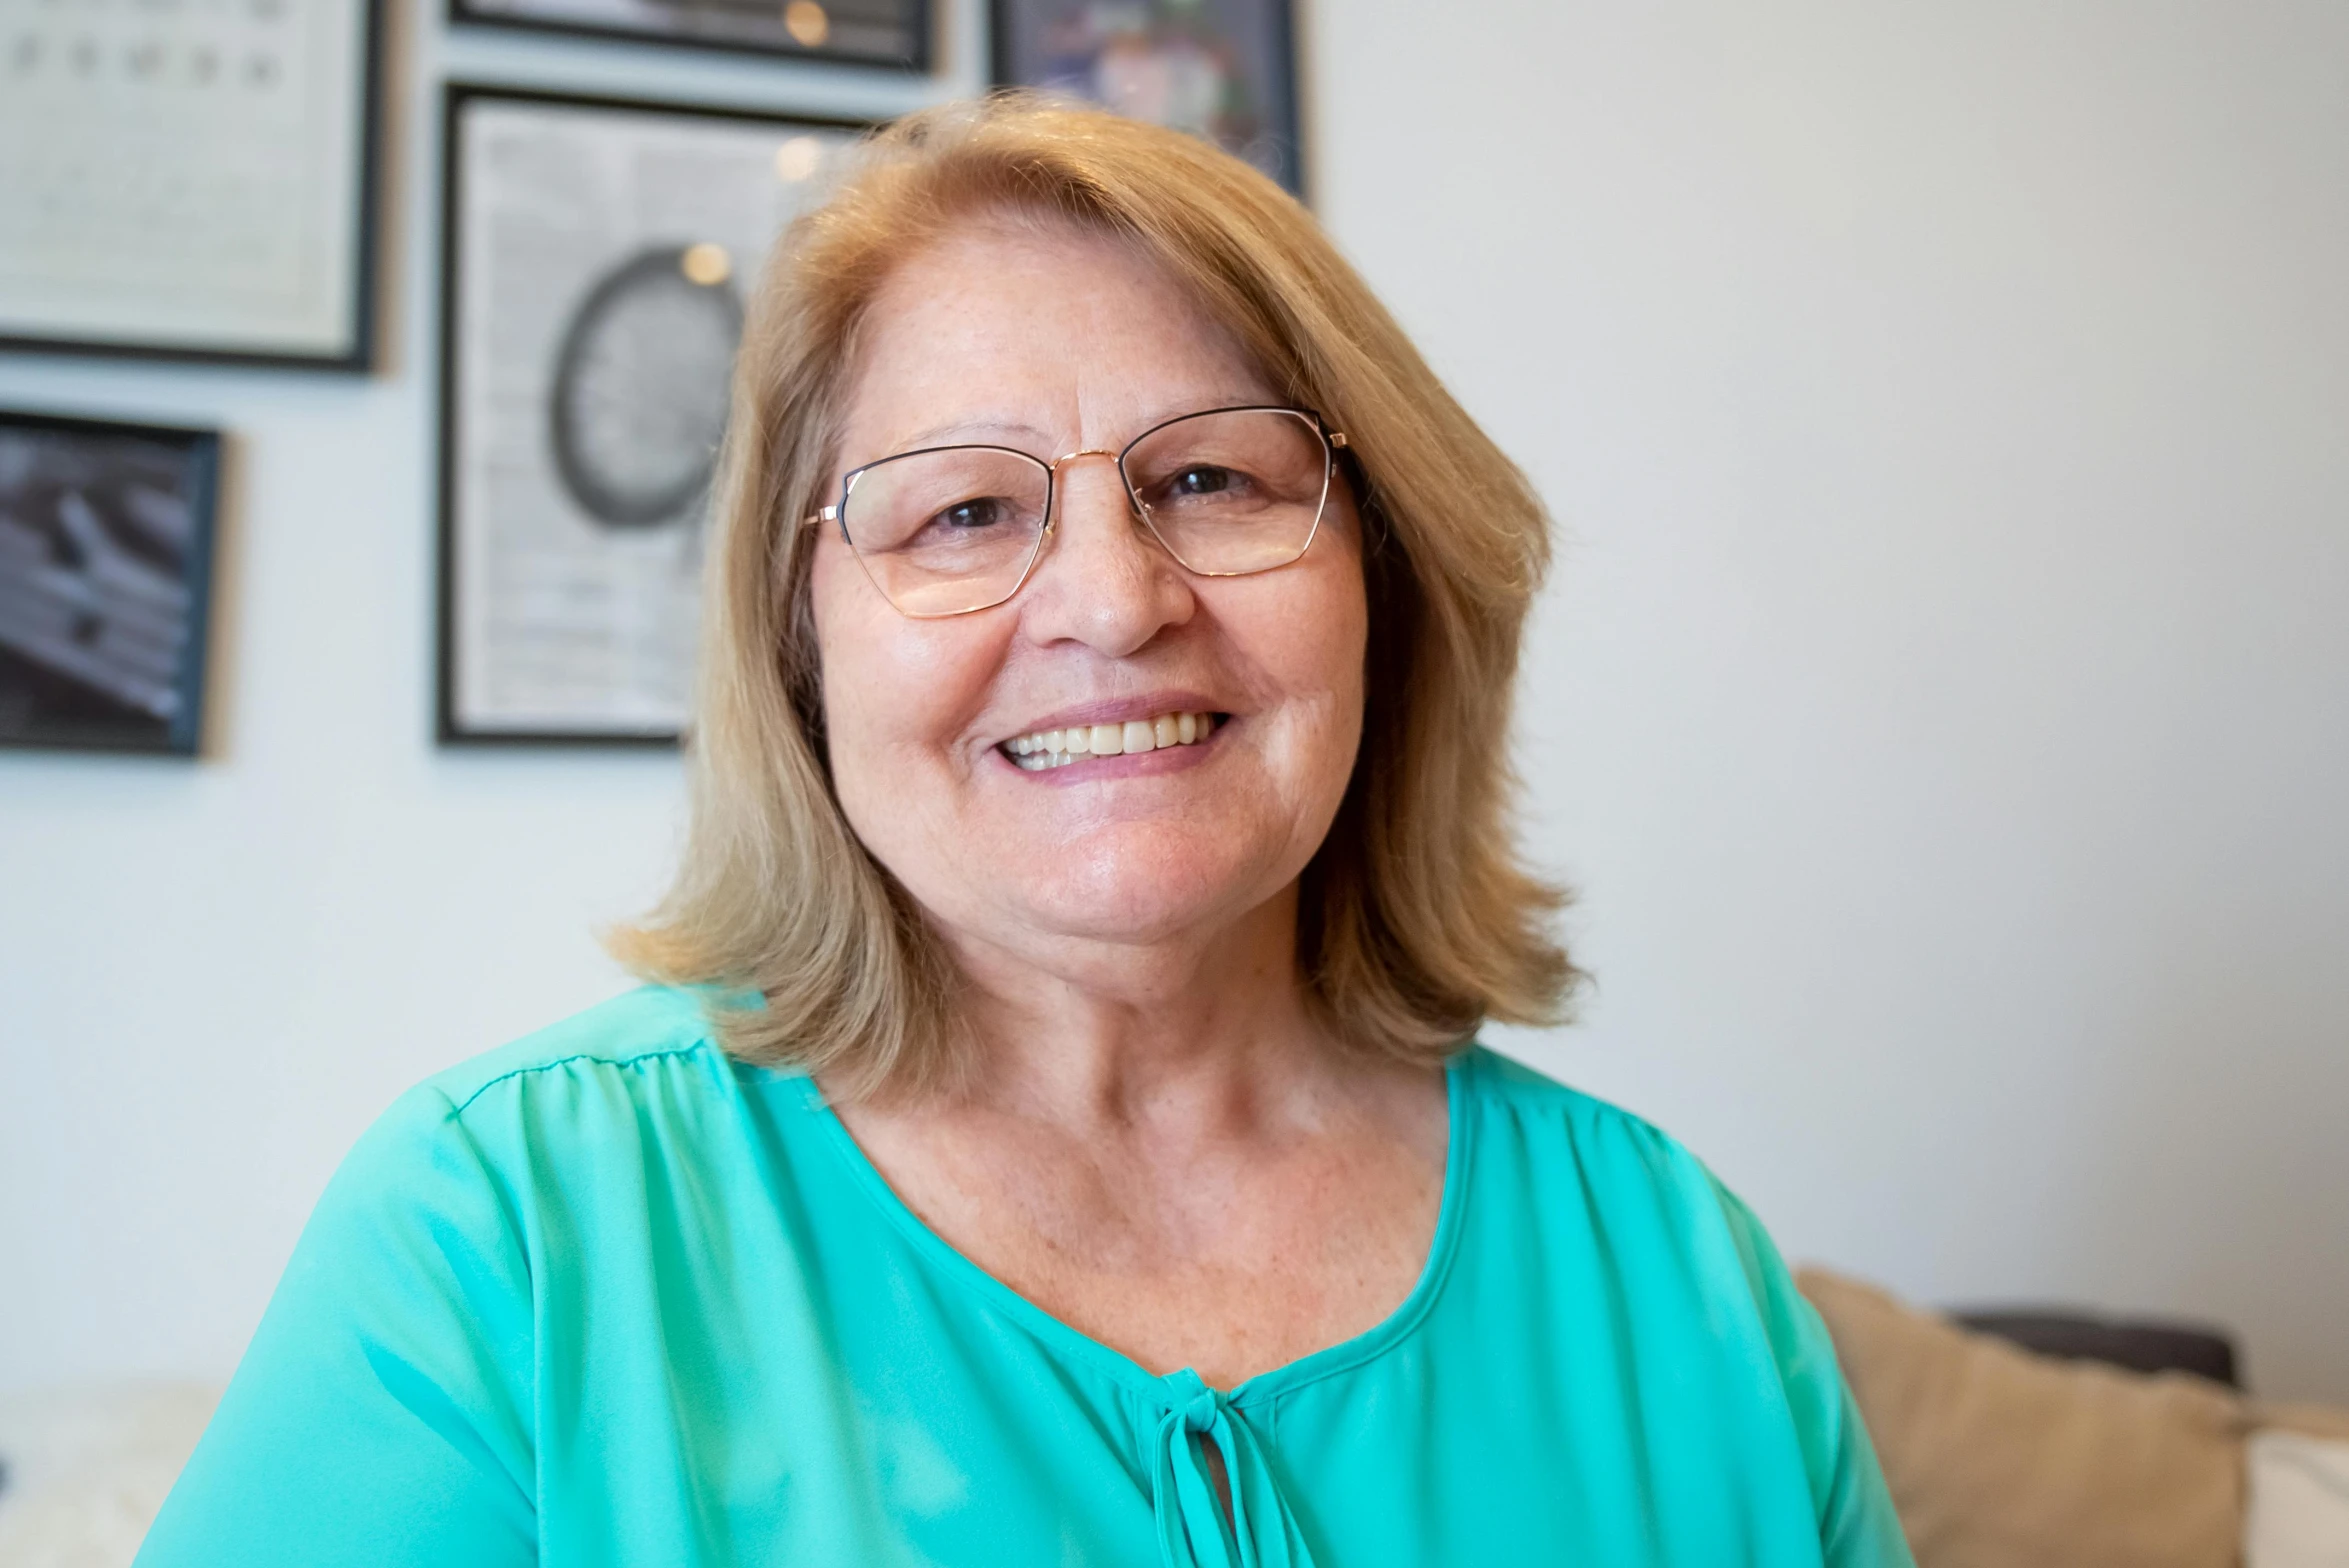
[(1339, 653), (1321, 644), (895, 691), (843, 638), (1302, 641)]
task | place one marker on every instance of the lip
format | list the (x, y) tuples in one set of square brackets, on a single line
[(1119, 710), (1125, 765)]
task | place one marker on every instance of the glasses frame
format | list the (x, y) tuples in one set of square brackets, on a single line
[(1332, 443)]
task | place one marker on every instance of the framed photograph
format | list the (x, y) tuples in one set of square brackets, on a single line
[(192, 181), (105, 582), (1222, 69), (597, 253), (893, 33)]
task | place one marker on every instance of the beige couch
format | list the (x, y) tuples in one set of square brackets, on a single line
[(1998, 1458)]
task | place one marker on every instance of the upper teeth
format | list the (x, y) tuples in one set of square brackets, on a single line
[(1058, 748)]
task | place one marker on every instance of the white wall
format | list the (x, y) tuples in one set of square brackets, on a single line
[(1942, 702)]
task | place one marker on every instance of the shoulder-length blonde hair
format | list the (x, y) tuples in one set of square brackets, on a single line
[(1416, 921)]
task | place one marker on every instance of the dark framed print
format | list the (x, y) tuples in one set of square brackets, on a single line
[(106, 536), (1222, 69), (596, 256), (892, 33), (190, 181)]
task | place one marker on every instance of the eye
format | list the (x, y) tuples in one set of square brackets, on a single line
[(1201, 479), (984, 511)]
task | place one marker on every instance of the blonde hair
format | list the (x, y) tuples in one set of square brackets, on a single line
[(1416, 921)]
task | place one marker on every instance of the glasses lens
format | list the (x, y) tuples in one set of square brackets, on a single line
[(950, 530), (1232, 492)]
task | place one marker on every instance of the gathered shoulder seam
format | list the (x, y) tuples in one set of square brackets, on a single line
[(1512, 1082), (458, 1107)]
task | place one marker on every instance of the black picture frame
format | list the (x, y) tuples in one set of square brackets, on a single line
[(1249, 46), (356, 348), (458, 721), (107, 542), (913, 51)]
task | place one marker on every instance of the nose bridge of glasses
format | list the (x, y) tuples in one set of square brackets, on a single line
[(1101, 534), (1066, 458), (1065, 493)]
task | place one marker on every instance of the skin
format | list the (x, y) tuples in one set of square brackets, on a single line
[(1162, 1148)]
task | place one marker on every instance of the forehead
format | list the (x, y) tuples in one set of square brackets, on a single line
[(1045, 331)]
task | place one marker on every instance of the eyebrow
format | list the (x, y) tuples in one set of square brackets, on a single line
[(962, 432)]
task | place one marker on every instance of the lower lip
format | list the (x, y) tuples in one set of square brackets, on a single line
[(1126, 765)]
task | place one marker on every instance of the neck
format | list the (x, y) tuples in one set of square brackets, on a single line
[(1206, 1030)]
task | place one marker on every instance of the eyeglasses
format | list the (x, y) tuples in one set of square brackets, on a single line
[(948, 530)]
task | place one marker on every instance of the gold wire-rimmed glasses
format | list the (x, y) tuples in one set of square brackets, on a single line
[(948, 530)]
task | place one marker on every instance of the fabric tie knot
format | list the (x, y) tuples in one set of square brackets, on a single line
[(1236, 1518)]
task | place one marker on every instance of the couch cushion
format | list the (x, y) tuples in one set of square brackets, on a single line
[(2298, 1516), (2001, 1459), (88, 1467), (2329, 1422), (2137, 1347)]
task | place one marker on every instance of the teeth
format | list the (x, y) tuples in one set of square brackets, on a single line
[(1058, 748)]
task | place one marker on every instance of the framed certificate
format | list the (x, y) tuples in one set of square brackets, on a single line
[(597, 255), (105, 582), (857, 32), (1222, 69), (189, 180)]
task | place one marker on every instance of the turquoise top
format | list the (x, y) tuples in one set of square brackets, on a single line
[(610, 1297)]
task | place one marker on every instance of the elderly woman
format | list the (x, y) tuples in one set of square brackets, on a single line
[(1057, 1135)]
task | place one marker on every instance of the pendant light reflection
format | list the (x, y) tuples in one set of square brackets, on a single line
[(706, 265), (807, 24), (797, 158)]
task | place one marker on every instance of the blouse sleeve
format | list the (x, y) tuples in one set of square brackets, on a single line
[(1857, 1525), (383, 1413)]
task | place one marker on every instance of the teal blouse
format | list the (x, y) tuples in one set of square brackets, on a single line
[(608, 1296)]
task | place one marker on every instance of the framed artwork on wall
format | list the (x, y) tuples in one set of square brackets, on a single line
[(106, 536), (1222, 69), (597, 253), (190, 181), (893, 33)]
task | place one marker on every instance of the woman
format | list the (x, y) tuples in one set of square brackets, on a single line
[(1057, 1137)]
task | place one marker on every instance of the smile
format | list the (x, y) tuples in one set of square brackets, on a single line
[(1058, 748)]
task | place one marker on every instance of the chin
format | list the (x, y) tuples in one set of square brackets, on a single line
[(1123, 924), (1140, 889)]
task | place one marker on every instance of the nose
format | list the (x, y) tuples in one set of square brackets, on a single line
[(1104, 580)]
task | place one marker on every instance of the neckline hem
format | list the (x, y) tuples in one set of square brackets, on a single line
[(1311, 1367)]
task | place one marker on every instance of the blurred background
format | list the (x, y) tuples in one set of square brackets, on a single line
[(1941, 700)]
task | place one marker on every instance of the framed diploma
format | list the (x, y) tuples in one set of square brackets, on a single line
[(858, 32), (192, 179), (597, 254), (1222, 69), (105, 582)]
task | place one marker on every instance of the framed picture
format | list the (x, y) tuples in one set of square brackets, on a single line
[(193, 181), (1222, 69), (105, 582), (893, 33), (597, 252)]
